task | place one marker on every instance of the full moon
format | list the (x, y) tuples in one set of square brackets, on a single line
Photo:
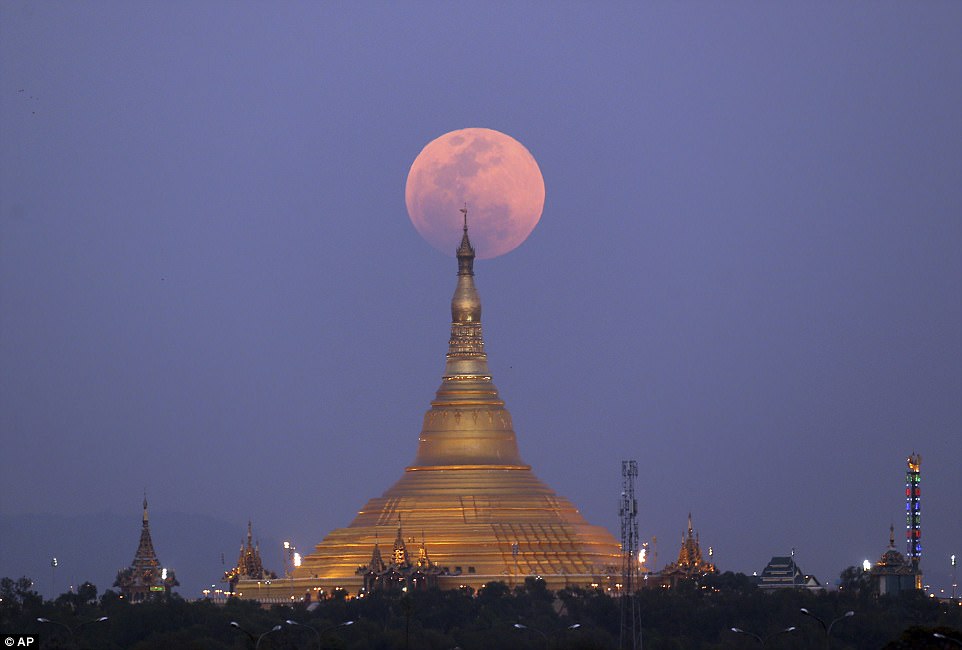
[(489, 171)]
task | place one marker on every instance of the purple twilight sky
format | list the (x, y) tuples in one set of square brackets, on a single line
[(748, 274)]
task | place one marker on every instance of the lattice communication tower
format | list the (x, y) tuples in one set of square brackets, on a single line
[(630, 616)]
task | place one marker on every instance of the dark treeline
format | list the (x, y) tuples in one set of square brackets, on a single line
[(692, 616)]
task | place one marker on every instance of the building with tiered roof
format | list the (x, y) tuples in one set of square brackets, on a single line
[(486, 515), (400, 573), (691, 565), (893, 573), (145, 578), (249, 564), (782, 572)]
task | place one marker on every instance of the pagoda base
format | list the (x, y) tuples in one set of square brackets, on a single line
[(289, 590)]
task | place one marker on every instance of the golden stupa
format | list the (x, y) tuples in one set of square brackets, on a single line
[(468, 498)]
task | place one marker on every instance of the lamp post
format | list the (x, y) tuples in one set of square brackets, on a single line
[(54, 563), (276, 628), (762, 640), (942, 637), (72, 630), (319, 633), (236, 625), (519, 626), (292, 560), (256, 639), (794, 570), (827, 628), (954, 582)]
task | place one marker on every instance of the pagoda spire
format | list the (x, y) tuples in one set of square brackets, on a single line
[(145, 557), (466, 338), (468, 424), (145, 576)]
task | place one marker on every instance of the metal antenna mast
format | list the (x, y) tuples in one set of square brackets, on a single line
[(630, 616)]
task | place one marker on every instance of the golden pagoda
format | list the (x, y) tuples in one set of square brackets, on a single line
[(249, 563), (690, 565), (478, 505)]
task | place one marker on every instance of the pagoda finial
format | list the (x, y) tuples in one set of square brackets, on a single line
[(145, 506), (465, 305), (465, 251)]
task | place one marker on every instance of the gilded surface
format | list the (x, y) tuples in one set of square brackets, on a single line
[(482, 512)]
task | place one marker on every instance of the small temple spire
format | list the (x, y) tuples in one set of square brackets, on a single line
[(145, 549), (145, 574), (400, 548), (249, 563)]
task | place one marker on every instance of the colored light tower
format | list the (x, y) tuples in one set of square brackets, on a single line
[(913, 515)]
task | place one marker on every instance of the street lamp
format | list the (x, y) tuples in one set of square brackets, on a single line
[(235, 624), (318, 633), (519, 626), (73, 630), (276, 628), (827, 628), (954, 582), (762, 640), (256, 639)]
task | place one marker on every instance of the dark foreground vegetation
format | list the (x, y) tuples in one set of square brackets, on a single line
[(496, 617)]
